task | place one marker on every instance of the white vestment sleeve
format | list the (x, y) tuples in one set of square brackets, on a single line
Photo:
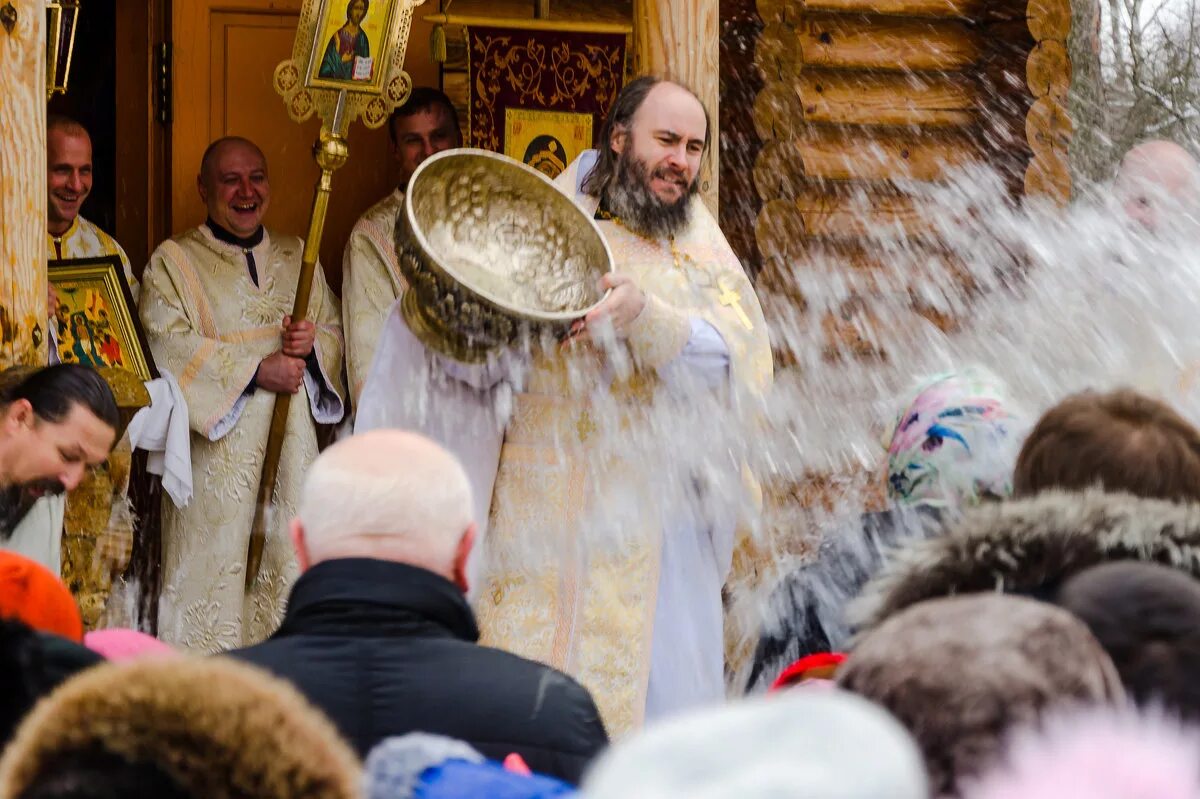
[(323, 399), (462, 407), (688, 647), (705, 358)]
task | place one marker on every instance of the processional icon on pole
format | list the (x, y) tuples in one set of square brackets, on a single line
[(347, 62)]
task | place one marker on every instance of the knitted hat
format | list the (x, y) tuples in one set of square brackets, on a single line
[(817, 666), (960, 672), (956, 441), (31, 593), (119, 644), (799, 743), (436, 767), (1098, 753), (219, 729)]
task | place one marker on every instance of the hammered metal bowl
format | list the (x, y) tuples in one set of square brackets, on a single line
[(492, 251)]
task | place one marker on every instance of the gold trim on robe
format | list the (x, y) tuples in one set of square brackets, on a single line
[(210, 325), (371, 284), (566, 585)]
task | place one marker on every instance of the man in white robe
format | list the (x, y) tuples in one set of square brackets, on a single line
[(69, 182), (215, 304), (371, 279), (610, 535)]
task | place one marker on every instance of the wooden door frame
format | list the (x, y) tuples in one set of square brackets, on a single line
[(143, 141)]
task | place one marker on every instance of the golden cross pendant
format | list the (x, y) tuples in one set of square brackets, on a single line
[(730, 297)]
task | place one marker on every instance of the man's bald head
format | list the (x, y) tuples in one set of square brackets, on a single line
[(212, 154), (390, 495), (1158, 181), (233, 185)]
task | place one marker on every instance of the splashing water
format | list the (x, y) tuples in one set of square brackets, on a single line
[(1053, 301)]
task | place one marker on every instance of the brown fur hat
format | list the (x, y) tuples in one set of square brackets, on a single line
[(218, 728), (959, 673), (1031, 546)]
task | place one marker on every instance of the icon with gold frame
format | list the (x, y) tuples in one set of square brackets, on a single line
[(348, 54), (94, 322)]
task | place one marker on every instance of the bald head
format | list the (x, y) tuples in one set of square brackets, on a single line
[(389, 495), (211, 159), (233, 185), (1158, 181)]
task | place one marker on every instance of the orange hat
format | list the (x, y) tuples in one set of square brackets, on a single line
[(31, 594)]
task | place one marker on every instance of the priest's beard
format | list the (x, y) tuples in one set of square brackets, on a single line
[(630, 199)]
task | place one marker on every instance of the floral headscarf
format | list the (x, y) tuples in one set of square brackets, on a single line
[(956, 441)]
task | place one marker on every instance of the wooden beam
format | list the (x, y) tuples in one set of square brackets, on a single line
[(842, 41), (23, 316), (882, 154), (791, 10), (1048, 70), (827, 215), (680, 40), (931, 100)]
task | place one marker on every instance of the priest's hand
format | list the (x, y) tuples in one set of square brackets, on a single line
[(280, 373), (618, 309), (51, 300), (298, 337)]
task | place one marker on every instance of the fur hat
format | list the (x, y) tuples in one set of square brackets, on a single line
[(823, 744), (959, 672), (1030, 546), (1104, 753), (220, 729), (33, 594)]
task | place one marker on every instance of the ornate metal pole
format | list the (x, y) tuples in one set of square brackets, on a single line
[(306, 89), (330, 153)]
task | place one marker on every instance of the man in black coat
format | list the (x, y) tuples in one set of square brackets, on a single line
[(378, 632)]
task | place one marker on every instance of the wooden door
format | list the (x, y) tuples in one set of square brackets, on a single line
[(225, 53)]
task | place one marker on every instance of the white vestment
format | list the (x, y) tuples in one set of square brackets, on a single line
[(504, 420)]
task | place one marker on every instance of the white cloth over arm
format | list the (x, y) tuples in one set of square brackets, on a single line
[(462, 407), (687, 661), (161, 429)]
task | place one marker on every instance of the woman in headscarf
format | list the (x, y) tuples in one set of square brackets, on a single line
[(952, 445)]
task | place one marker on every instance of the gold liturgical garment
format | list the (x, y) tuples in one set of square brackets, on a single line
[(560, 588), (85, 240), (210, 326), (97, 529), (371, 284)]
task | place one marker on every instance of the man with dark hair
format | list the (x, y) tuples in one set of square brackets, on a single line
[(1121, 441), (215, 305), (371, 281), (640, 624), (1147, 617), (55, 424)]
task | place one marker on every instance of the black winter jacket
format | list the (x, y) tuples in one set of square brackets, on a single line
[(387, 649)]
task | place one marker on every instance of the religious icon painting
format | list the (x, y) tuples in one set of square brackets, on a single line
[(351, 44), (540, 96), (546, 140), (94, 323)]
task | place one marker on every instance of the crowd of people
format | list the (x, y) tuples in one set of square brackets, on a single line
[(476, 594), (1029, 631)]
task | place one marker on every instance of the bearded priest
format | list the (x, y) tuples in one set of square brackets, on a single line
[(609, 462), (215, 304)]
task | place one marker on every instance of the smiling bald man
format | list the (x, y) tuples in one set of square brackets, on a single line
[(215, 305)]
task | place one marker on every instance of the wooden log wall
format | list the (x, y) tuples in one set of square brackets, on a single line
[(23, 182), (860, 94)]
